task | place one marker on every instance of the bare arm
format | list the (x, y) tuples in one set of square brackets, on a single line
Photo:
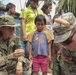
[(23, 28), (30, 51)]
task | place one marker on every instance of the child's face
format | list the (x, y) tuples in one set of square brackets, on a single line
[(12, 10), (49, 9), (40, 25)]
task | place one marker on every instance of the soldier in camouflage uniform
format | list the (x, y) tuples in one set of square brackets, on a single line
[(66, 35), (58, 64), (12, 61)]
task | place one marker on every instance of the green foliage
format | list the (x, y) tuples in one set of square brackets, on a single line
[(66, 6), (2, 5)]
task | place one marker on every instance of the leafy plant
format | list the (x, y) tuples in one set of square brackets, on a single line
[(66, 6), (2, 5)]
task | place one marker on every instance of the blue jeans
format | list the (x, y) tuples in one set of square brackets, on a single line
[(25, 46)]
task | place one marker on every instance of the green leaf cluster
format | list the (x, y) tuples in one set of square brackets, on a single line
[(66, 6), (2, 5)]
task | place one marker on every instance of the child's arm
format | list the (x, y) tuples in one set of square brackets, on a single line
[(50, 54), (30, 51)]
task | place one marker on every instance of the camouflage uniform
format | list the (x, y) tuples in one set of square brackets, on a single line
[(62, 34), (58, 66), (70, 68), (7, 64)]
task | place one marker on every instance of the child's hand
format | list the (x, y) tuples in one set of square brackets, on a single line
[(19, 68), (49, 58)]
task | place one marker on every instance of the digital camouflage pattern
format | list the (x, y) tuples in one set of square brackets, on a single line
[(58, 66), (70, 68), (7, 64)]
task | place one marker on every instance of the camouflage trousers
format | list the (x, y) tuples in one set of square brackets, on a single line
[(58, 66)]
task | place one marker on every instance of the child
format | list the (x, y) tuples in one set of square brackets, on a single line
[(40, 50), (10, 8), (47, 8)]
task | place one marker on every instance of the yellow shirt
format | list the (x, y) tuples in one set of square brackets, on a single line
[(29, 15)]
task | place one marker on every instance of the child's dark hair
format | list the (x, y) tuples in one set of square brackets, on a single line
[(40, 18), (9, 6), (45, 6)]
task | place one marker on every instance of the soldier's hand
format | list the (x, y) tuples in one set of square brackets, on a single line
[(58, 57), (17, 53), (19, 68)]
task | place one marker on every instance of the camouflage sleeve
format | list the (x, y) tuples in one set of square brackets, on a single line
[(22, 59), (5, 60), (18, 42), (25, 62)]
